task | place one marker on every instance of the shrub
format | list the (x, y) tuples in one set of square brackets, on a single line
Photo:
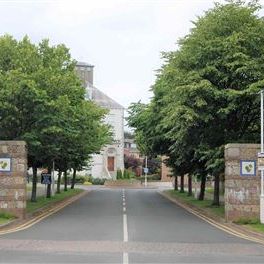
[(98, 181), (125, 175), (128, 174), (153, 177), (87, 183), (119, 174), (80, 179), (247, 221), (6, 215)]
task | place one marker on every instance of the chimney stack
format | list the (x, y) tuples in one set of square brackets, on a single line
[(85, 72)]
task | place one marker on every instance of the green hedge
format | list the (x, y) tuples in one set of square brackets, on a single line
[(127, 174), (153, 177)]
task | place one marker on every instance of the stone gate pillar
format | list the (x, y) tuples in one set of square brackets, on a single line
[(13, 170), (242, 182)]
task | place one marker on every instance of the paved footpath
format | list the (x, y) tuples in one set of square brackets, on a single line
[(125, 226)]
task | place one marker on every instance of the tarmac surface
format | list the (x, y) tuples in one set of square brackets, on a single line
[(126, 226)]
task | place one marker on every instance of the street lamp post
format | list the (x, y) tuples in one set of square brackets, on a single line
[(53, 179), (146, 170), (261, 155)]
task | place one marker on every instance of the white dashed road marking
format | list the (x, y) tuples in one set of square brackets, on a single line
[(125, 229)]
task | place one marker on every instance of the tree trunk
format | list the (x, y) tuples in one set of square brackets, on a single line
[(73, 178), (65, 181), (48, 191), (182, 184), (49, 186), (216, 200), (190, 193), (34, 184), (176, 183), (59, 181), (202, 189)]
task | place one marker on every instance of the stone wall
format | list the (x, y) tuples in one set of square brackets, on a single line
[(241, 192), (13, 183)]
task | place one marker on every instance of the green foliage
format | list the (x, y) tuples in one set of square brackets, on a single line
[(128, 174), (5, 218), (6, 215), (247, 221), (153, 177), (79, 179), (205, 94), (97, 181), (119, 174), (252, 223), (43, 201), (205, 205), (43, 103)]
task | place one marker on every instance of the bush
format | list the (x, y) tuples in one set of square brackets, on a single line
[(97, 181), (153, 177), (119, 174), (80, 179), (6, 215), (126, 174), (87, 183)]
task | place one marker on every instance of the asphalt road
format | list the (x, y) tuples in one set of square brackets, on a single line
[(125, 226)]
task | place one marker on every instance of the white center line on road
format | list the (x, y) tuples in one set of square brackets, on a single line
[(125, 228), (125, 258)]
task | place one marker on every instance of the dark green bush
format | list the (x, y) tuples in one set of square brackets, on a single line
[(153, 177), (247, 221), (97, 181), (126, 174), (119, 174)]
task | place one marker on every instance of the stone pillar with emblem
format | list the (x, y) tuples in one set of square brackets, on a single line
[(13, 172), (242, 182)]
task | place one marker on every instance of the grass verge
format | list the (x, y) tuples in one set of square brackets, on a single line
[(43, 201), (205, 205), (253, 224), (5, 218), (257, 227)]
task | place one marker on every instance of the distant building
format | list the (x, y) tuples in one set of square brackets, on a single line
[(130, 148), (166, 172), (132, 156), (111, 158)]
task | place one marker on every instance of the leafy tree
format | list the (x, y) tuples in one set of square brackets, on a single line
[(205, 93), (43, 103), (132, 162)]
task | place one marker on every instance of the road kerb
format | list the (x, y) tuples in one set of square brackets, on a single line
[(32, 221), (221, 226)]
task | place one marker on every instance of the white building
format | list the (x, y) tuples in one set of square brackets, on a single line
[(111, 158)]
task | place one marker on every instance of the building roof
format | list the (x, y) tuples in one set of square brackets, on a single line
[(84, 64), (102, 99)]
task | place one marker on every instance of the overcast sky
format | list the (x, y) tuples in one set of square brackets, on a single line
[(122, 38)]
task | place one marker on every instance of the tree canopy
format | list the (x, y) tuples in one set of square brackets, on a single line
[(43, 102), (205, 94)]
